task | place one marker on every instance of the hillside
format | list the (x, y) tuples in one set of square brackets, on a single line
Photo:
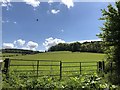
[(20, 51), (64, 56)]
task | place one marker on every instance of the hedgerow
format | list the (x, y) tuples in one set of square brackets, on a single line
[(86, 82)]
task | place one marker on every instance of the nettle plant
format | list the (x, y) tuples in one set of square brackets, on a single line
[(88, 82)]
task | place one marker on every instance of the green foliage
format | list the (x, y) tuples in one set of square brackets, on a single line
[(111, 38), (86, 82), (19, 51), (94, 46)]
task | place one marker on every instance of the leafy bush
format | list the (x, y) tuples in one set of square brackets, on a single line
[(86, 82)]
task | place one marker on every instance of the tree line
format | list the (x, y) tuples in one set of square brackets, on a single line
[(21, 51), (93, 46)]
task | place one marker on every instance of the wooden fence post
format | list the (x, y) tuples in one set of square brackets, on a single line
[(60, 70), (37, 67), (103, 66), (99, 66), (80, 68), (6, 65)]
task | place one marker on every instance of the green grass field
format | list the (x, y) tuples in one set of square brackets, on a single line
[(58, 56), (64, 56)]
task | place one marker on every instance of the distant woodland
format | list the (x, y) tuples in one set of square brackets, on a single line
[(93, 46)]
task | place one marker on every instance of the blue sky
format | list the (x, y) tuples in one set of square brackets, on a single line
[(56, 23)]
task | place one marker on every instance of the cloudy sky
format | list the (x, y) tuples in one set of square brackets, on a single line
[(38, 25)]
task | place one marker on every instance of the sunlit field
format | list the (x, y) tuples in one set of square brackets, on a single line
[(50, 62)]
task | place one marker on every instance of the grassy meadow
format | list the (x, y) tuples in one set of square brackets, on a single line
[(53, 68), (64, 56)]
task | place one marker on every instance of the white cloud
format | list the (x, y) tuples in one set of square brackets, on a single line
[(41, 50), (19, 42), (62, 30), (15, 22), (15, 42), (50, 1), (7, 21), (32, 45), (25, 48), (81, 41), (34, 3), (51, 42), (68, 3), (5, 3), (89, 40), (53, 11), (8, 45)]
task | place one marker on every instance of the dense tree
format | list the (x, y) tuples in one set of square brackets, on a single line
[(111, 38), (95, 46), (75, 46)]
